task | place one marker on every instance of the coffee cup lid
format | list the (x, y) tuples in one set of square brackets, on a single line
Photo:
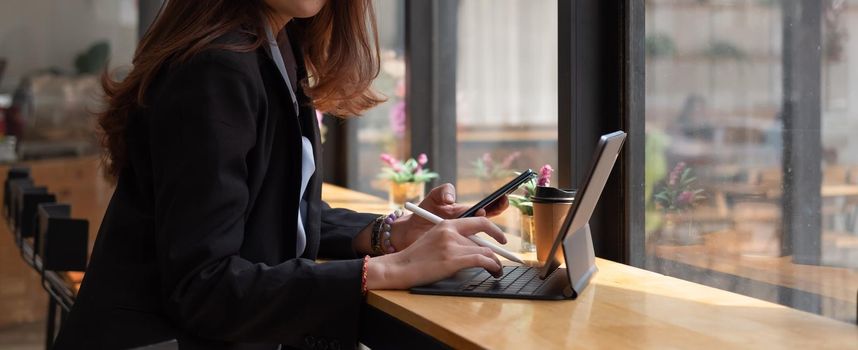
[(553, 195)]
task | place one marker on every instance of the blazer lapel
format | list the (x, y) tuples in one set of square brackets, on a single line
[(310, 129), (314, 187), (292, 130)]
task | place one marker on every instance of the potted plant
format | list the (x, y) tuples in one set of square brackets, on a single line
[(676, 197), (494, 174), (407, 179)]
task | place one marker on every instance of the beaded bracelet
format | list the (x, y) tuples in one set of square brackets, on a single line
[(375, 238), (380, 238), (363, 288)]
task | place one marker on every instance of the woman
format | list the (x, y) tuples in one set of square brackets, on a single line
[(212, 232)]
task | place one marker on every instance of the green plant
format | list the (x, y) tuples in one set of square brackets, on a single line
[(93, 60), (655, 169), (523, 202), (677, 192), (721, 49), (487, 169), (411, 170), (659, 45)]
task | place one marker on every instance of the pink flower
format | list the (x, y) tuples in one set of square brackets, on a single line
[(397, 119), (507, 162), (487, 160), (675, 173), (686, 197), (400, 88), (544, 175), (389, 160), (421, 161)]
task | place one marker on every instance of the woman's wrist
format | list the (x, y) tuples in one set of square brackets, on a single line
[(361, 242), (398, 232), (382, 273)]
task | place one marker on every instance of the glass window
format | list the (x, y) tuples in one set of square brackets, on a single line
[(751, 160), (506, 93), (51, 53), (383, 128)]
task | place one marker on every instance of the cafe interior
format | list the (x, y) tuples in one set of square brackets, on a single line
[(729, 220)]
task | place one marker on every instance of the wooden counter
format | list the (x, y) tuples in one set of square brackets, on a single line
[(624, 307)]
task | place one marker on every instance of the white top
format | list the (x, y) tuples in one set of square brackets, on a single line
[(308, 162)]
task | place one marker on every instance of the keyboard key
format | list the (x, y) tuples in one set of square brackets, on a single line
[(515, 280)]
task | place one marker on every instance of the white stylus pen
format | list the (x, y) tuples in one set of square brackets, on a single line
[(423, 213)]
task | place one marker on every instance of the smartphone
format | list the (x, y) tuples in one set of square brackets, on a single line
[(506, 189)]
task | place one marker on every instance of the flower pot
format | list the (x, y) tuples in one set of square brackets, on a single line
[(405, 192), (528, 230), (678, 229)]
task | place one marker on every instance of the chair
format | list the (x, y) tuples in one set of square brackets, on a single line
[(59, 243)]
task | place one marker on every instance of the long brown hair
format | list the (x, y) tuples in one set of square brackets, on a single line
[(340, 46)]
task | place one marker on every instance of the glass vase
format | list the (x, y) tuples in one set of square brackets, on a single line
[(528, 234), (678, 229), (405, 192)]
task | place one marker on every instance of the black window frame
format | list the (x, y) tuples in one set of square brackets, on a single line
[(600, 80), (600, 90)]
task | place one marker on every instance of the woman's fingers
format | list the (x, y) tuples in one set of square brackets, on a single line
[(472, 250), (497, 207), (441, 201), (453, 211), (472, 225), (493, 266), (439, 196)]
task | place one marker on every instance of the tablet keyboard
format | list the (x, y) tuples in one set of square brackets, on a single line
[(515, 280)]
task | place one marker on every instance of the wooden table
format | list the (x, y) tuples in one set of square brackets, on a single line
[(774, 191), (624, 307), (719, 260), (846, 190)]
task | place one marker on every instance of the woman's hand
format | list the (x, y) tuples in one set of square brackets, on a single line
[(435, 255), (442, 202)]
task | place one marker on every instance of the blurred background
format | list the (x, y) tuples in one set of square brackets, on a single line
[(718, 90), (51, 53)]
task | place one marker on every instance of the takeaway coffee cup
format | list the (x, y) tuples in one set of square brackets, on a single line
[(550, 206)]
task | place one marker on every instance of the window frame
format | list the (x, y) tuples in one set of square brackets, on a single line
[(601, 89)]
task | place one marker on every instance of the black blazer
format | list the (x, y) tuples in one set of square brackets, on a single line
[(198, 242)]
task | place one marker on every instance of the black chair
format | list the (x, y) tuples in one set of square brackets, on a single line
[(13, 174), (26, 202), (61, 242), (60, 245), (15, 188), (30, 200), (55, 210)]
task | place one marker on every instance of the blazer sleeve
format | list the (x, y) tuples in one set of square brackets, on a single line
[(201, 133), (338, 230)]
